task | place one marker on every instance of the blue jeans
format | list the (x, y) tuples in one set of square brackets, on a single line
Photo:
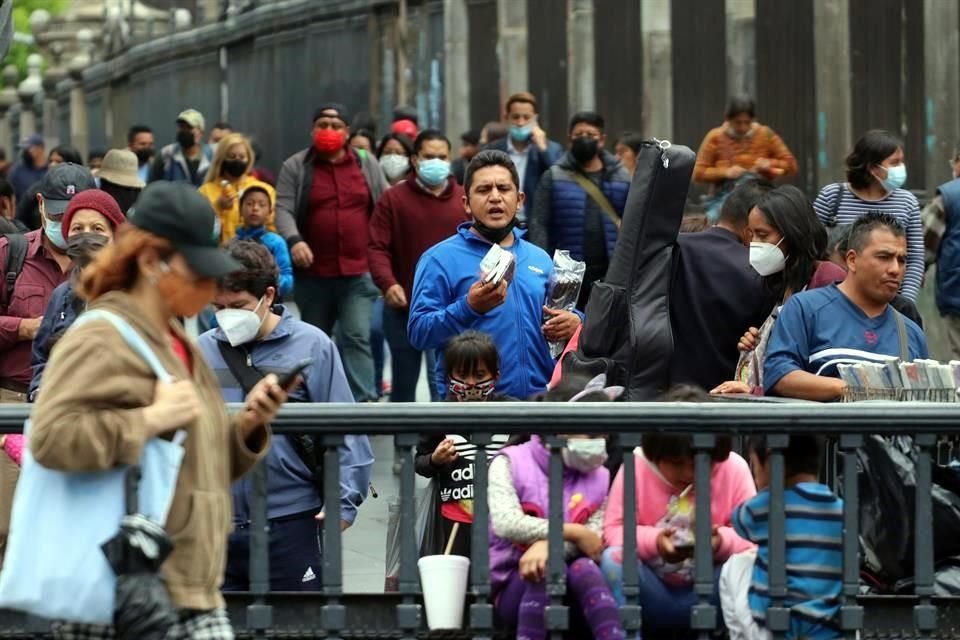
[(404, 359), (376, 345), (347, 305), (665, 607)]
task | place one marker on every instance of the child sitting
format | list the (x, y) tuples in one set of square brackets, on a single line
[(257, 204), (814, 549), (519, 500), (472, 367), (664, 516)]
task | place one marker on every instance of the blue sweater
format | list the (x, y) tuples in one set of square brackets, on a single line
[(58, 317), (814, 554), (290, 489), (279, 249), (439, 309)]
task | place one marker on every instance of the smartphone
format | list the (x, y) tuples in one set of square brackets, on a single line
[(286, 379)]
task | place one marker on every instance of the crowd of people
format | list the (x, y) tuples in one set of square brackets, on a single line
[(380, 240)]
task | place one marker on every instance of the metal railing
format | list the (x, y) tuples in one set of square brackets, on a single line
[(332, 613)]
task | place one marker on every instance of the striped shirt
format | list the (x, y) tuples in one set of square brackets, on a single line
[(899, 203), (814, 550)]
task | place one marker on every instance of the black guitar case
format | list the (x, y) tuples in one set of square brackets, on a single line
[(627, 333)]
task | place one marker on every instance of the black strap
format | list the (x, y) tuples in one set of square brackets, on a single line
[(902, 336), (16, 256), (835, 208), (239, 362)]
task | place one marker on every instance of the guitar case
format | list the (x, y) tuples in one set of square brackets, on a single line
[(627, 333)]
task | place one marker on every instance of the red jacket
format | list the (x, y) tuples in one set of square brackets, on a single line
[(408, 220)]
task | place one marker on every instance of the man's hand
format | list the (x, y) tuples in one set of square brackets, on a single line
[(539, 137), (484, 297), (262, 404), (344, 525), (735, 172), (762, 164), (533, 563), (444, 454), (561, 326), (749, 340), (395, 298), (731, 386), (28, 328), (302, 254), (666, 549)]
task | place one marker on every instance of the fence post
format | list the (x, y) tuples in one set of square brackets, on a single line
[(408, 611), (259, 614), (481, 611), (333, 617), (851, 613), (631, 614), (778, 616), (924, 613), (703, 615), (556, 614)]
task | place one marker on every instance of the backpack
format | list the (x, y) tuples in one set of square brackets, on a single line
[(308, 449), (16, 256)]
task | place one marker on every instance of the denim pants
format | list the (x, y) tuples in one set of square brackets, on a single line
[(377, 345), (665, 607), (404, 359), (345, 304)]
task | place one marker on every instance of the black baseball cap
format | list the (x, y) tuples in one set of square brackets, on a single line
[(61, 183), (332, 110), (177, 212)]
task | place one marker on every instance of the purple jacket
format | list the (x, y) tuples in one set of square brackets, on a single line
[(583, 495)]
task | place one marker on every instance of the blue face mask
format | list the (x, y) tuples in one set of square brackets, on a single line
[(896, 177), (521, 134), (433, 171), (54, 232)]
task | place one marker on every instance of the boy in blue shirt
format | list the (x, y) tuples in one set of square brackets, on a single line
[(814, 549), (849, 322), (257, 202)]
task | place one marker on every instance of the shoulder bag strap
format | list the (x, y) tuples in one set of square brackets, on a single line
[(902, 335), (835, 207), (597, 196), (16, 256), (245, 373)]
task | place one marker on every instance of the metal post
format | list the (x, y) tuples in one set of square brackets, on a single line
[(924, 613), (408, 611), (851, 613), (703, 615), (333, 616), (556, 613), (631, 614), (259, 614), (778, 616), (481, 611)]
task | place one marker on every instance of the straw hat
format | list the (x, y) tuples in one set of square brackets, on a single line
[(120, 167)]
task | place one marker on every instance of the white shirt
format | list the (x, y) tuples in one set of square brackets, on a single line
[(519, 158)]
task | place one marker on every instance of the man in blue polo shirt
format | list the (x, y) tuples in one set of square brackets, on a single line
[(849, 322), (449, 296)]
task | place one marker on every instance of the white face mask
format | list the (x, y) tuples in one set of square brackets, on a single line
[(767, 259), (394, 165), (584, 454), (240, 325)]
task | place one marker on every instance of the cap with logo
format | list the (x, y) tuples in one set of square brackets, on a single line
[(120, 167), (176, 212), (61, 183), (192, 117)]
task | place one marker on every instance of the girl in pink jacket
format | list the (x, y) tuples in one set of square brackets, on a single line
[(665, 521)]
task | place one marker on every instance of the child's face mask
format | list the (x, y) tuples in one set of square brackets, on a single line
[(471, 392), (584, 454)]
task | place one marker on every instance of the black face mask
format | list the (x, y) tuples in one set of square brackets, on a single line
[(185, 139), (144, 155), (82, 247), (125, 196), (496, 236), (234, 168), (584, 149)]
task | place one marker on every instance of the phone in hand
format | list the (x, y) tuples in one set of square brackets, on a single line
[(286, 379)]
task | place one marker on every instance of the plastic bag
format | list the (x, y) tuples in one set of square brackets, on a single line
[(427, 528), (563, 289), (887, 485)]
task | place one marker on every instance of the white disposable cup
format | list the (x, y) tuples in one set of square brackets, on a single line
[(444, 582)]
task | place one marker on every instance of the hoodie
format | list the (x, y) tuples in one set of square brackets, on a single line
[(439, 309)]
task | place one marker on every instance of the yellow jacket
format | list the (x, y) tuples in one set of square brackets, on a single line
[(230, 217)]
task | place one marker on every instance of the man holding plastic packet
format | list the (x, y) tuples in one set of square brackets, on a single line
[(488, 278)]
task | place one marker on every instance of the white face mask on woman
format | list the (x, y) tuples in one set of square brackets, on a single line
[(767, 259), (394, 165), (240, 325)]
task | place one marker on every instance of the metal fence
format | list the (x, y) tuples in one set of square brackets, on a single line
[(332, 613)]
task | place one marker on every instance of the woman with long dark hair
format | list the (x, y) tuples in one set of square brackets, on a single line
[(876, 174), (788, 248)]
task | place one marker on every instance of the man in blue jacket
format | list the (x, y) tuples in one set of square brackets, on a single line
[(268, 339), (580, 201), (449, 296)]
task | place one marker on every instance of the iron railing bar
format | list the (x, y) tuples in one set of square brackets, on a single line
[(481, 612), (703, 615), (851, 613), (259, 613), (924, 613), (778, 616), (408, 612), (632, 613), (332, 614), (556, 615)]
